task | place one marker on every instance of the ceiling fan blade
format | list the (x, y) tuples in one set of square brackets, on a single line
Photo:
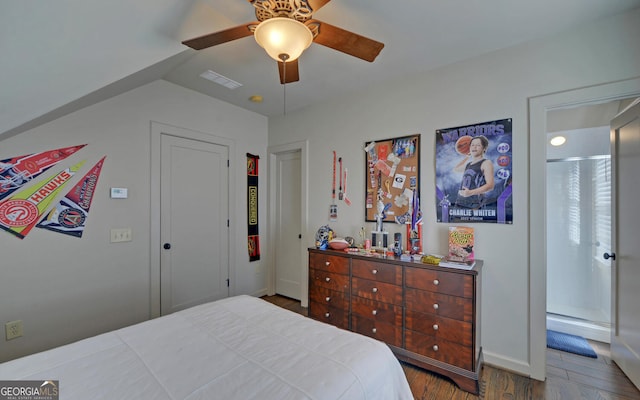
[(317, 4), (291, 71), (345, 41), (227, 35)]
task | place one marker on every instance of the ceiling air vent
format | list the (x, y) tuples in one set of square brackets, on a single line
[(220, 80)]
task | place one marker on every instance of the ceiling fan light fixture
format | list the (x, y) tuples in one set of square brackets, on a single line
[(284, 39)]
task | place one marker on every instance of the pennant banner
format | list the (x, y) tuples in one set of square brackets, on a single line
[(19, 214), (70, 214), (16, 172), (253, 243)]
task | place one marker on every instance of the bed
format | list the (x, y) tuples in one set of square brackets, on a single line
[(237, 348)]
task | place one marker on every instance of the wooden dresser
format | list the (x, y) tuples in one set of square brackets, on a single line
[(428, 315)]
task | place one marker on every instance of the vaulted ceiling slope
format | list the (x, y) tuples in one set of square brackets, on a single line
[(59, 56)]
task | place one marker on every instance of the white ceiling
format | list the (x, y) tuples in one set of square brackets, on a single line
[(58, 56)]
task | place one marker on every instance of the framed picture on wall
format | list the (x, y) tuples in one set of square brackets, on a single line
[(474, 173), (392, 179)]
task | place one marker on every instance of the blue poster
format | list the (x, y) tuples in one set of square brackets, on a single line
[(474, 173)]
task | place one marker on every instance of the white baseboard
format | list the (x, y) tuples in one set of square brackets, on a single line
[(579, 328), (507, 363), (259, 293)]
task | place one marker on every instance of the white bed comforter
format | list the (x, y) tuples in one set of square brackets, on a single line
[(237, 348)]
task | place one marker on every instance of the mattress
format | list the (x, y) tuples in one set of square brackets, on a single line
[(237, 348)]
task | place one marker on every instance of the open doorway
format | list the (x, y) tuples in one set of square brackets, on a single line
[(578, 214), (287, 232), (539, 109)]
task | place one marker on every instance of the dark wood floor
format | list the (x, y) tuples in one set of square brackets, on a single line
[(569, 377)]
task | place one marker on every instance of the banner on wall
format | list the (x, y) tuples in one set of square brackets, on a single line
[(253, 242), (16, 172), (19, 213), (474, 173), (70, 215)]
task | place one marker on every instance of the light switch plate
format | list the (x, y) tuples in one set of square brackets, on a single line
[(121, 235)]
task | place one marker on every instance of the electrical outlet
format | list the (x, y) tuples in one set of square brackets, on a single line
[(13, 329)]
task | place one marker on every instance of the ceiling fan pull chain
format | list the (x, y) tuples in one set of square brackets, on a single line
[(284, 58)]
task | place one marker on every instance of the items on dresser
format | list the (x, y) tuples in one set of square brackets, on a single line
[(427, 314)]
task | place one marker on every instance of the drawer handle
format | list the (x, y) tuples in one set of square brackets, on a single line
[(436, 306), (327, 315), (374, 290), (436, 282), (374, 330), (328, 299), (375, 271), (435, 327), (374, 312), (327, 263), (435, 347), (327, 279)]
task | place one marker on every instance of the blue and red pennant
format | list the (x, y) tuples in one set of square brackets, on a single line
[(70, 214)]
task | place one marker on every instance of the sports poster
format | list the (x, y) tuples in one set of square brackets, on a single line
[(474, 173), (20, 213), (17, 171), (70, 215)]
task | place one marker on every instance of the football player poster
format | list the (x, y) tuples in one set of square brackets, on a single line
[(474, 173)]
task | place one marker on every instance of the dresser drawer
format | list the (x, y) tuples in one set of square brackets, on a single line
[(451, 283), (379, 291), (329, 280), (439, 349), (452, 307), (377, 271), (328, 314), (377, 311), (330, 297), (442, 328), (387, 333), (329, 263)]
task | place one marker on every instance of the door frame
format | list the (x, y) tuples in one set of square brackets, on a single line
[(622, 352), (273, 151), (538, 107), (157, 130)]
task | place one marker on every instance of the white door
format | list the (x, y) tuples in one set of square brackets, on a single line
[(288, 260), (194, 264), (625, 335)]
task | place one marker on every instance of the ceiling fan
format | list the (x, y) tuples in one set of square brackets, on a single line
[(285, 28)]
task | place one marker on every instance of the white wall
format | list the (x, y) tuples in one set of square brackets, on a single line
[(65, 288), (490, 87)]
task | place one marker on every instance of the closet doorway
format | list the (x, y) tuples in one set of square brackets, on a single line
[(288, 221)]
